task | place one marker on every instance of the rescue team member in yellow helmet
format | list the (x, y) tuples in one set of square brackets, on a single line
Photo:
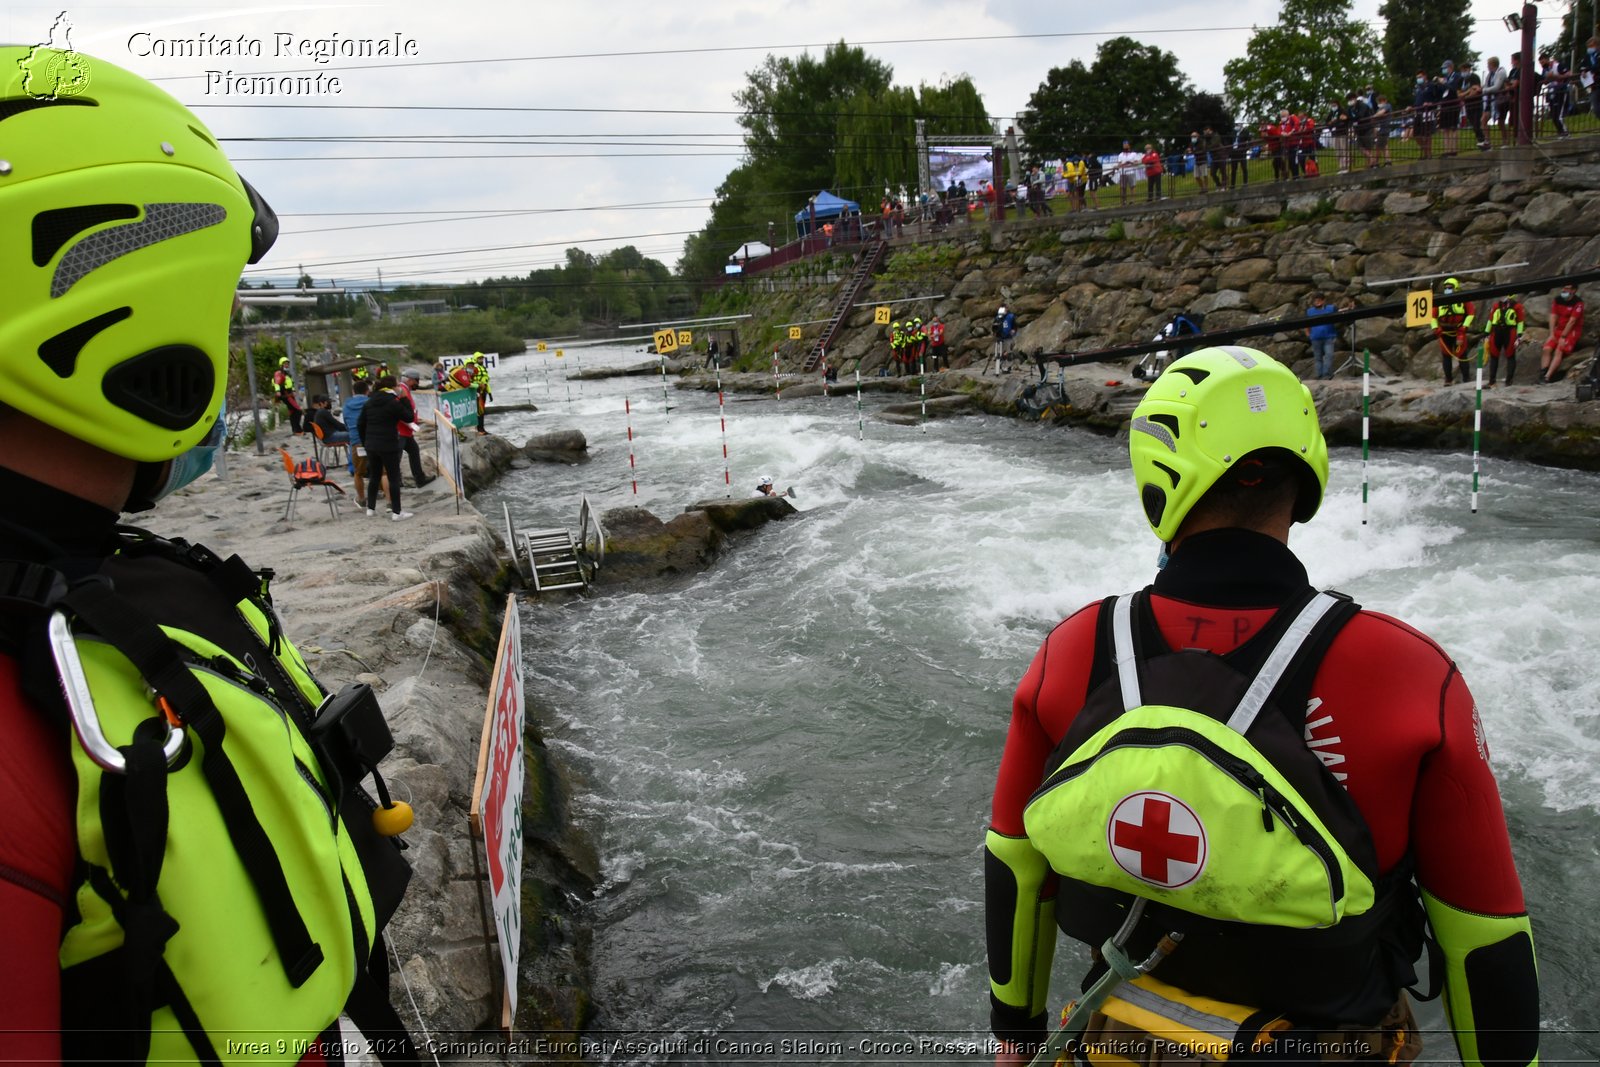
[(1452, 323), (1275, 773), (480, 382), (283, 382), (191, 871)]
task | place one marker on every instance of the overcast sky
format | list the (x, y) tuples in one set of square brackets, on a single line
[(639, 166)]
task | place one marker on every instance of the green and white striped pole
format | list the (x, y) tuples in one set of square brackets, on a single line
[(1366, 425)]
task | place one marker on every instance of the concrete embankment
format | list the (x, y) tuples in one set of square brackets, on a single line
[(414, 608)]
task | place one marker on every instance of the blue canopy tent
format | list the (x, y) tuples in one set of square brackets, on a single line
[(828, 207)]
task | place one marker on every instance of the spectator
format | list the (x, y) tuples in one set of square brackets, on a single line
[(378, 428), (352, 419), (1239, 158), (1494, 91), (1272, 142), (1554, 78), (1306, 142), (1151, 160), (283, 385), (1324, 338), (1382, 122), (1472, 104), (1513, 91), (1339, 132), (1424, 114), (441, 381), (1449, 82), (1189, 163), (1128, 164), (1289, 123), (1589, 73), (1216, 158), (333, 431), (1361, 123), (1198, 161), (1096, 177)]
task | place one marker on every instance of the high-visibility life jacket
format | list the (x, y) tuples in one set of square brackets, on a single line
[(237, 929)]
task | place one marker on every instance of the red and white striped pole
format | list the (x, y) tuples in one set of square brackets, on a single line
[(825, 391), (777, 386), (922, 384), (633, 470), (727, 479)]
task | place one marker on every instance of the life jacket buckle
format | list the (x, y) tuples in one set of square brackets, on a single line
[(80, 705)]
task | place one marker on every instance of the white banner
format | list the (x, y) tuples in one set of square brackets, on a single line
[(490, 359), (447, 445), (497, 796)]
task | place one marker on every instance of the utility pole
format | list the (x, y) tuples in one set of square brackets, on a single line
[(1525, 84)]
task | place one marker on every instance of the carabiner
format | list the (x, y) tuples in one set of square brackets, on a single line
[(85, 720)]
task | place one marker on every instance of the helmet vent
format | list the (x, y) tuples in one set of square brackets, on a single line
[(1154, 499), (161, 222), (60, 353), (202, 136), (21, 105), (169, 386), (54, 228), (1168, 471), (1194, 374)]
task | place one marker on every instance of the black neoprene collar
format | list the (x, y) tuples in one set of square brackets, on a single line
[(41, 521), (1232, 568)]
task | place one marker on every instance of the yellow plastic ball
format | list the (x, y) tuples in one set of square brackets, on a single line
[(395, 819)]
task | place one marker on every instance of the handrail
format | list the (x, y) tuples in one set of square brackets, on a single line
[(587, 519)]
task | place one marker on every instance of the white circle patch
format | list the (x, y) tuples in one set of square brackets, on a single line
[(1157, 838)]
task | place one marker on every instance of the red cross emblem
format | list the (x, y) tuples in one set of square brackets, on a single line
[(1157, 838)]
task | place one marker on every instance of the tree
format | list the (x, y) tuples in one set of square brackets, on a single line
[(1133, 91), (1206, 109), (877, 135), (790, 113), (1314, 56), (1422, 34)]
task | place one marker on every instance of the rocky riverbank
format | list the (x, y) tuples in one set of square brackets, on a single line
[(414, 608)]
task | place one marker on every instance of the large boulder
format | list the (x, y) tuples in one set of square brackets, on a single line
[(640, 546), (559, 446)]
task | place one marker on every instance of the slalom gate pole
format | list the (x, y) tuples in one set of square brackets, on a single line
[(727, 480), (633, 470), (922, 384), (861, 428), (1366, 425), (825, 391), (1477, 437), (578, 356), (665, 404), (548, 359), (777, 386)]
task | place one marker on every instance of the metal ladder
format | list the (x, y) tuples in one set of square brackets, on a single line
[(870, 259), (553, 560)]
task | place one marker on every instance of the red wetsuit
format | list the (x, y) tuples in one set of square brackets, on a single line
[(1389, 715)]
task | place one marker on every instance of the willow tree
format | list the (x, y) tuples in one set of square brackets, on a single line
[(877, 133)]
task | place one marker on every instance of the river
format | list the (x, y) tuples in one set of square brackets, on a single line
[(785, 762)]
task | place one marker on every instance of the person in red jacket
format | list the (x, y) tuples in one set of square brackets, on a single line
[(1566, 326), (1153, 170), (1227, 456)]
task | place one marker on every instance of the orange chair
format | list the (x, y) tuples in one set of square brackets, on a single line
[(303, 475)]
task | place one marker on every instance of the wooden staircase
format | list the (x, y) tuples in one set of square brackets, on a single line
[(871, 258)]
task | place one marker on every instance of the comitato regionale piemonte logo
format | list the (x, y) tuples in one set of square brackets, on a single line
[(52, 70)]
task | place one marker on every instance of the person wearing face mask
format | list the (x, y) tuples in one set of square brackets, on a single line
[(164, 896), (1339, 129), (1553, 80), (1472, 104), (1424, 114), (1449, 83), (1513, 89), (1566, 327), (1589, 74), (1452, 319)]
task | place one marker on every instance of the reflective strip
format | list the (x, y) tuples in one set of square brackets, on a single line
[(1278, 662), (1122, 643), (161, 222), (1220, 1027), (1142, 424)]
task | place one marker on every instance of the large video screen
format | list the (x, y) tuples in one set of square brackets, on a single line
[(954, 163)]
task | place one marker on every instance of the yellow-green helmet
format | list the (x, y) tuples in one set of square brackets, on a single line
[(123, 230), (1207, 411), (1451, 286)]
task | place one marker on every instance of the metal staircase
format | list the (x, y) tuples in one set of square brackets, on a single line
[(871, 257), (554, 560)]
